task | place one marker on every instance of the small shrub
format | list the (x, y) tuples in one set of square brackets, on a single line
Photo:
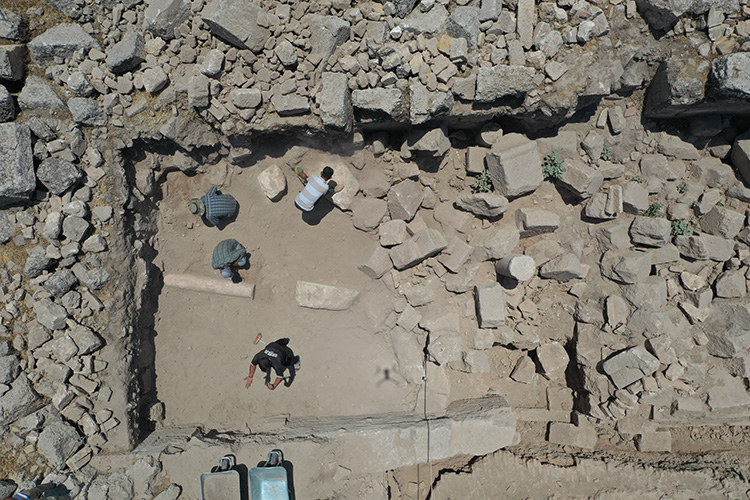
[(682, 227), (682, 188), (552, 166), (483, 184), (634, 178), (606, 153), (654, 210)]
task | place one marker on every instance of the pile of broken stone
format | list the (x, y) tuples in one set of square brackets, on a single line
[(655, 310), (133, 69)]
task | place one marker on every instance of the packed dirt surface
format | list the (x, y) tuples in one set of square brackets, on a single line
[(204, 342)]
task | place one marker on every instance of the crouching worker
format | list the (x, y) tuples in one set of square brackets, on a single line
[(278, 356), (228, 256), (317, 186)]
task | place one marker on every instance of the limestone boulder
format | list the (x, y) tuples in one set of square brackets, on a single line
[(127, 54), (319, 296), (580, 179), (60, 41), (515, 165), (483, 204), (334, 101), (18, 402), (87, 112), (490, 305), (379, 104), (163, 16), (720, 221), (37, 95), (367, 213), (532, 221), (12, 62), (241, 23), (404, 200), (650, 231), (730, 77), (17, 178), (57, 442), (495, 243), (563, 268), (626, 266), (273, 182), (433, 142), (498, 82), (327, 33), (376, 263), (345, 189), (629, 366)]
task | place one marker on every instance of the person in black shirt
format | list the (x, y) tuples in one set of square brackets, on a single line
[(278, 356)]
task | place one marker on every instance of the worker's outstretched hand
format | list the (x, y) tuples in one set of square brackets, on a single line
[(271, 386), (248, 381)]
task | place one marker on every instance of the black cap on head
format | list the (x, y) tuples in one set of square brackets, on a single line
[(264, 364), (327, 173)]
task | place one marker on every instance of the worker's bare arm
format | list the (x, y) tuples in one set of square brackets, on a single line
[(249, 378), (275, 384)]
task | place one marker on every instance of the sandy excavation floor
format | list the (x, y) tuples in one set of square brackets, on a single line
[(204, 342)]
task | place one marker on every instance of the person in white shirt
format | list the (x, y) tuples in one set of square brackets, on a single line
[(317, 186)]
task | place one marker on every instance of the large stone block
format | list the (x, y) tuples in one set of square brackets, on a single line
[(490, 305), (12, 62), (730, 77), (367, 213), (379, 104), (57, 442), (317, 296), (563, 268), (481, 426), (62, 41), (705, 247), (17, 179), (483, 204), (720, 221), (650, 231), (126, 54), (626, 266), (404, 199), (376, 263), (11, 26), (163, 16), (496, 243), (630, 365), (553, 359), (678, 84), (327, 33), (572, 435), (238, 22), (501, 81), (58, 174), (87, 112), (433, 142), (425, 105), (36, 94), (18, 402), (532, 221), (273, 182), (515, 165), (334, 101), (347, 187), (580, 179)]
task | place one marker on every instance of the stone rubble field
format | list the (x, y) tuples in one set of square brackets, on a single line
[(555, 196)]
